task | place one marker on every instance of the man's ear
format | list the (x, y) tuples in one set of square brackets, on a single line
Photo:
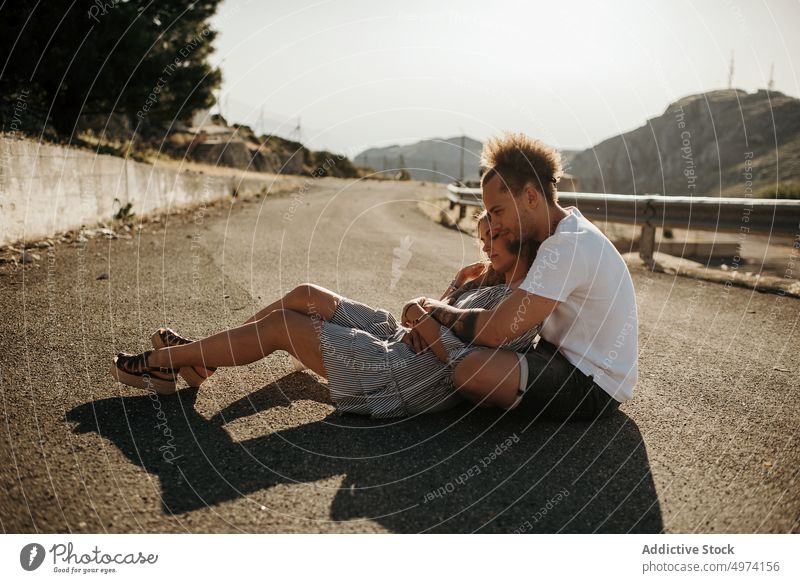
[(532, 195)]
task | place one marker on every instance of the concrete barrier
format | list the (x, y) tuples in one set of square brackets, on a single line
[(47, 189)]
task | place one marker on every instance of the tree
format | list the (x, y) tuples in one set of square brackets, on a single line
[(144, 59)]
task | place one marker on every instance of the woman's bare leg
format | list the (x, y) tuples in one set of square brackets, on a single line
[(306, 298), (286, 330)]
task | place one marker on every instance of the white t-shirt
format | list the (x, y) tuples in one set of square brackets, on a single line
[(595, 325)]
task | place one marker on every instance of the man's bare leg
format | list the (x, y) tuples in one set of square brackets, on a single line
[(488, 377)]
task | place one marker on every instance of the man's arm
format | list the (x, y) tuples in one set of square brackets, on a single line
[(515, 315)]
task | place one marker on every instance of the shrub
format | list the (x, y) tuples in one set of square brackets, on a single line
[(790, 190)]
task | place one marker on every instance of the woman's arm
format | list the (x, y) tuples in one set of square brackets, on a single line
[(449, 291), (425, 332), (465, 274), (428, 333), (430, 329)]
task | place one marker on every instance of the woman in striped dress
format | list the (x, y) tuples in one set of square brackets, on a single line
[(367, 356)]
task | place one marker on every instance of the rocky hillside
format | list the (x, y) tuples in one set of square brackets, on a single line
[(217, 143), (210, 139), (437, 160), (701, 145)]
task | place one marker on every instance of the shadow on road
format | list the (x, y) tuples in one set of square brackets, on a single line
[(454, 472)]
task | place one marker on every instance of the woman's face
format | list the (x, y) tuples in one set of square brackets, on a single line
[(502, 254)]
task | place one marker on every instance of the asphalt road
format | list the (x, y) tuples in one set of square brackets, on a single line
[(709, 444)]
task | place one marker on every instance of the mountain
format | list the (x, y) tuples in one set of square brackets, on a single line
[(567, 156), (436, 160), (701, 145)]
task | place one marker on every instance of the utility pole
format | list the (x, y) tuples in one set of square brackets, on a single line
[(771, 84), (730, 72), (461, 166)]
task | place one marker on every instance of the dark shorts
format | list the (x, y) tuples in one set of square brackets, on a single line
[(557, 391)]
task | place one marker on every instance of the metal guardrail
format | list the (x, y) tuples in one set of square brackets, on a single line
[(745, 215)]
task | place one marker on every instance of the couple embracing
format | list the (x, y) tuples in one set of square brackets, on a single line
[(546, 325)]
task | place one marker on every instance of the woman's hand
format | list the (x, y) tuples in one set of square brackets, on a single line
[(470, 272), (411, 311), (413, 338), (425, 335), (408, 338), (411, 315)]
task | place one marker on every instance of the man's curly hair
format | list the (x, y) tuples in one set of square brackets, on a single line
[(518, 159)]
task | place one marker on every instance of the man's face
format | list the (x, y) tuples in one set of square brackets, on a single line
[(507, 213)]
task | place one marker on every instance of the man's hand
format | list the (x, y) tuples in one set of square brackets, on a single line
[(429, 304), (463, 323)]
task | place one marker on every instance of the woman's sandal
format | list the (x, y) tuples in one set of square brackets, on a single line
[(132, 369), (193, 375)]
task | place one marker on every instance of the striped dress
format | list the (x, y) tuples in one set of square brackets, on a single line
[(371, 371)]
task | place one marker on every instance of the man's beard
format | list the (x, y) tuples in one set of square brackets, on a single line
[(518, 246), (514, 245)]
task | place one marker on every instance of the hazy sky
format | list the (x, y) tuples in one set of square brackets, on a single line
[(362, 74)]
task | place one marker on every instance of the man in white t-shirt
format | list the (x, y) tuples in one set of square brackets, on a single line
[(578, 287)]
